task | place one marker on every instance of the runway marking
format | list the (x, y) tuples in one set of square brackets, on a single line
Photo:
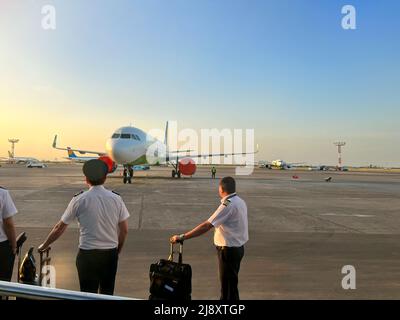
[(347, 215)]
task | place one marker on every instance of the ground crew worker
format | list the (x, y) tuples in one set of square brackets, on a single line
[(102, 217), (8, 241), (213, 172), (231, 233)]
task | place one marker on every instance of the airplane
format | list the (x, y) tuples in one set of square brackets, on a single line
[(130, 146), (279, 164), (73, 157), (20, 160)]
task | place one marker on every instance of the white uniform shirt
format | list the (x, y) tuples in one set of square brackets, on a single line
[(7, 210), (98, 211), (230, 222)]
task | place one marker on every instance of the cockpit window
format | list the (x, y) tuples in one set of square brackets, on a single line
[(136, 137), (125, 136), (115, 136)]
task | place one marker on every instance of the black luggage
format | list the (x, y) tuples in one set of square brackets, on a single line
[(171, 280)]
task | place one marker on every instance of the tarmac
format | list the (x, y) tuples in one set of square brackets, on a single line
[(303, 230)]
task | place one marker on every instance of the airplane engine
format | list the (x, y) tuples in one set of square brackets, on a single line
[(112, 166), (187, 166)]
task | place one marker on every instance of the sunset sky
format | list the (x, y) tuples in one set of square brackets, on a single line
[(285, 68)]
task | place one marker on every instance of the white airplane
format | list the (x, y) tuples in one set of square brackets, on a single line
[(279, 164), (20, 160), (130, 146)]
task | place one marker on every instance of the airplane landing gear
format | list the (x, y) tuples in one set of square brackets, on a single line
[(175, 171), (176, 174)]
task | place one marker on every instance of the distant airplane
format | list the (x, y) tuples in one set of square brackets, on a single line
[(130, 146), (318, 168), (71, 154), (279, 164), (20, 160)]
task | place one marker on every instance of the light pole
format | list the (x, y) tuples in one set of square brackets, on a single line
[(339, 145), (12, 153)]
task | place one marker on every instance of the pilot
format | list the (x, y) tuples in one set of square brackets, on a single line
[(231, 233), (8, 243), (103, 225)]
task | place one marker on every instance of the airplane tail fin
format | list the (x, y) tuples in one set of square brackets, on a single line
[(166, 143), (166, 135), (55, 142), (71, 154)]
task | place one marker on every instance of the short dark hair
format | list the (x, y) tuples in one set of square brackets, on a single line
[(97, 182), (228, 184)]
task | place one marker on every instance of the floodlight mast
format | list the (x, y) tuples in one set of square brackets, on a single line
[(339, 145), (12, 152)]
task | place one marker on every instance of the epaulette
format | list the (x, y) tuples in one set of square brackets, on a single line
[(226, 202), (115, 193), (80, 192)]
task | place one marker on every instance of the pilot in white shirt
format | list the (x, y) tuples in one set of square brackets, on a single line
[(231, 233), (8, 244), (102, 217)]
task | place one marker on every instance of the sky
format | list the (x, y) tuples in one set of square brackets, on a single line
[(285, 68)]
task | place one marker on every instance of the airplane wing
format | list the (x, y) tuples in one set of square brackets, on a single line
[(172, 156), (76, 150)]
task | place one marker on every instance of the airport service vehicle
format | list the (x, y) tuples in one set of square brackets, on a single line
[(318, 168), (141, 167), (278, 164), (36, 165), (130, 146)]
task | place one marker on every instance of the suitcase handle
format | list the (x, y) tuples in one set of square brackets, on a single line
[(171, 252), (44, 261)]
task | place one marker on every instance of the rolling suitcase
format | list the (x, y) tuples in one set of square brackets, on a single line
[(171, 280)]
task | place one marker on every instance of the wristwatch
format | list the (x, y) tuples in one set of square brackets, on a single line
[(182, 237)]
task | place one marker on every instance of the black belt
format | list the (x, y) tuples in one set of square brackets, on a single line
[(227, 248), (97, 250)]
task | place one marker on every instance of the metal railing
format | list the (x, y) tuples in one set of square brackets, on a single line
[(12, 289)]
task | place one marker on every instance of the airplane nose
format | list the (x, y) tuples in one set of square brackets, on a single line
[(118, 151)]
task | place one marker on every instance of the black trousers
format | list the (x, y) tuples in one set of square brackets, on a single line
[(229, 259), (97, 270), (7, 258)]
